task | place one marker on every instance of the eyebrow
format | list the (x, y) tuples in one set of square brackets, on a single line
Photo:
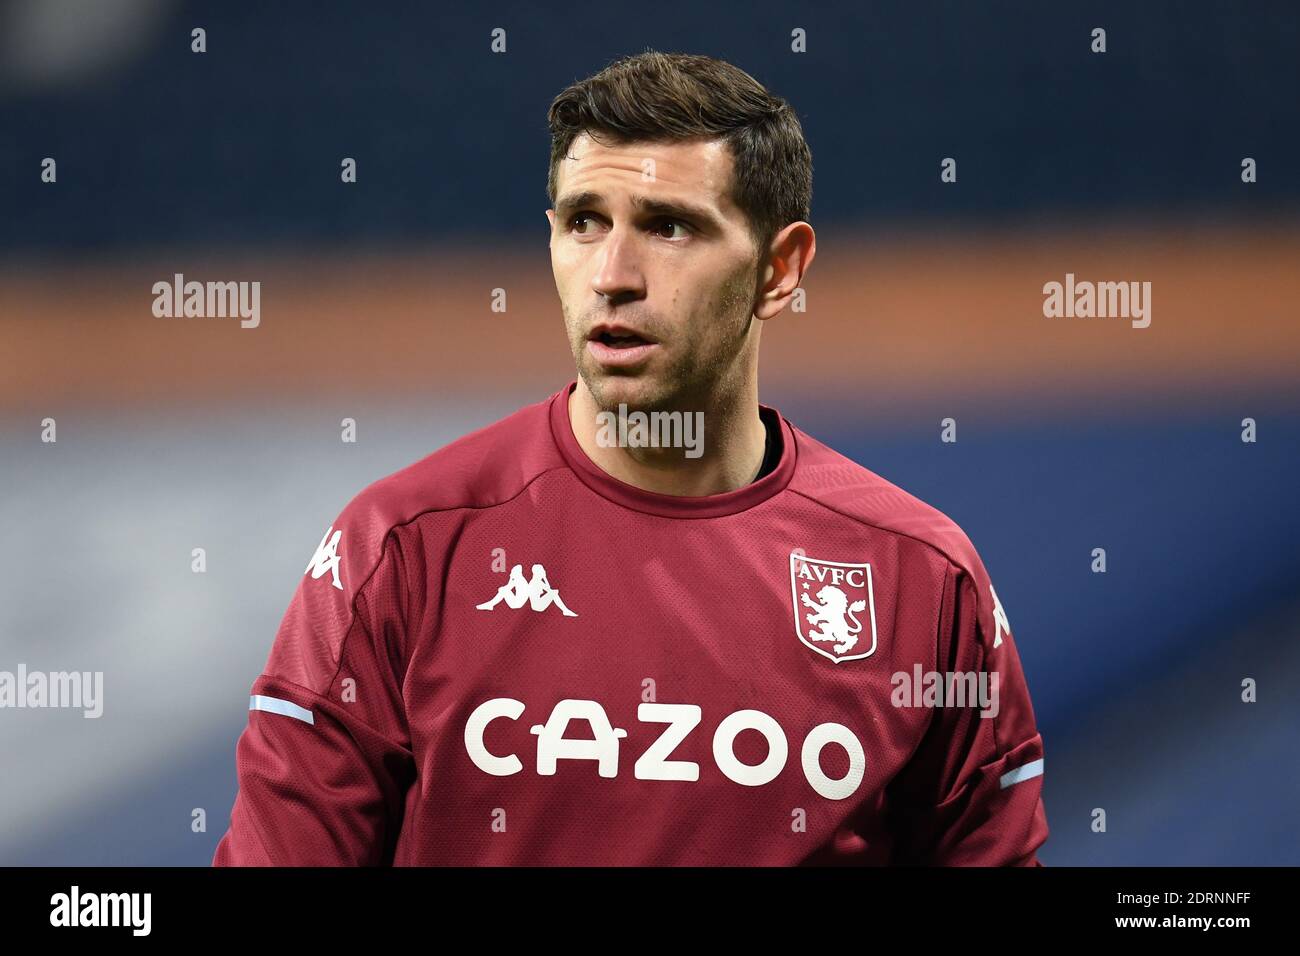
[(566, 206)]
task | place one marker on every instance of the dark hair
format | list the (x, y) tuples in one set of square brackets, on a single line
[(673, 97)]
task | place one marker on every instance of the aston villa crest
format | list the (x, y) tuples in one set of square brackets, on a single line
[(833, 602)]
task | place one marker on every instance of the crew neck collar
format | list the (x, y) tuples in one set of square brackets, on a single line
[(668, 506)]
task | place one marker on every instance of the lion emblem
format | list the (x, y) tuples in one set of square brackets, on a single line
[(833, 614)]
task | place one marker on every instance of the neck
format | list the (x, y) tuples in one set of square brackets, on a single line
[(731, 444)]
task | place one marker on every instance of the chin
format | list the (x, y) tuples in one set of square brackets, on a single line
[(641, 390)]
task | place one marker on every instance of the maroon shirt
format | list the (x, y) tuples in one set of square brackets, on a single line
[(502, 655)]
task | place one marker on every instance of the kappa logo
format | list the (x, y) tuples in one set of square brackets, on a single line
[(827, 597), (536, 592), (999, 619), (327, 557)]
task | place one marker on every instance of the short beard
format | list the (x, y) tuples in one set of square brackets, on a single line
[(689, 385), (668, 391)]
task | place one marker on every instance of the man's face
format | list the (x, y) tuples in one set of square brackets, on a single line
[(656, 270)]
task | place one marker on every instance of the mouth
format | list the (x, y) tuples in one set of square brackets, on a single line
[(619, 346), (616, 336)]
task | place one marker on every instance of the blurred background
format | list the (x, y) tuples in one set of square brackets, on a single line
[(925, 302)]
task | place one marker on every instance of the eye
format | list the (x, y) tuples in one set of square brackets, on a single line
[(575, 219), (669, 224)]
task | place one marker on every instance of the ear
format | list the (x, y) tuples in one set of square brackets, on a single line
[(550, 217), (788, 258)]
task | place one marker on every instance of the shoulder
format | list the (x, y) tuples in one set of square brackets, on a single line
[(359, 572), (482, 469), (859, 494)]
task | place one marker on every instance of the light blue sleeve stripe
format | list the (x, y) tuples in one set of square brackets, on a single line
[(1030, 770), (277, 705)]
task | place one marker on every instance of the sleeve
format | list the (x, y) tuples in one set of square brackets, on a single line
[(972, 793), (325, 763)]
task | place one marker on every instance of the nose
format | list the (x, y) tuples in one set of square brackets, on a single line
[(618, 272)]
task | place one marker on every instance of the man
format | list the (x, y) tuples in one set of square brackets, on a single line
[(711, 662)]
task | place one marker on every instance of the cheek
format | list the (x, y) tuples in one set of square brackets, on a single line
[(573, 281), (564, 264), (565, 286)]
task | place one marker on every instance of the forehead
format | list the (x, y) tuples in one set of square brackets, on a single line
[(700, 168)]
